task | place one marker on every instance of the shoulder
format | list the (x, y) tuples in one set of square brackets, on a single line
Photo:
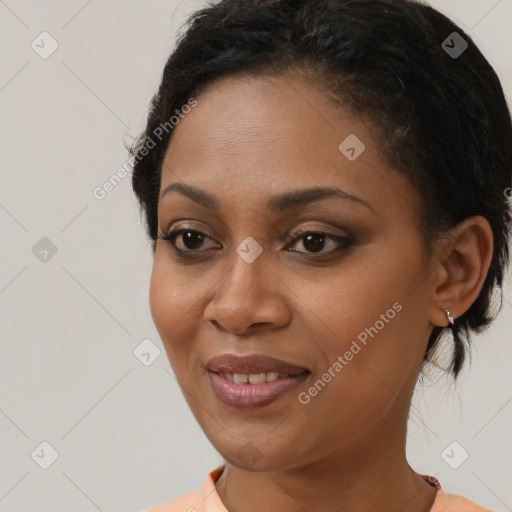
[(459, 503), (190, 502), (194, 501), (455, 503)]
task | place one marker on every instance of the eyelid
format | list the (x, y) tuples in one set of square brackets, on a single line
[(171, 235), (292, 235), (343, 241), (318, 229)]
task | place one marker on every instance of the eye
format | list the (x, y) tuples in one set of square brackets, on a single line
[(190, 239), (315, 241), (186, 240)]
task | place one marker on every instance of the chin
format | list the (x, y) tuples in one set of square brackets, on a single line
[(251, 453)]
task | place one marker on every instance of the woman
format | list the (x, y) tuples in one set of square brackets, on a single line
[(325, 185)]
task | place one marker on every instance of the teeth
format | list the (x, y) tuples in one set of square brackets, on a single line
[(257, 378), (253, 378)]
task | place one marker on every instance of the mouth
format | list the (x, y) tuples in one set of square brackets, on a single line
[(252, 381), (253, 378)]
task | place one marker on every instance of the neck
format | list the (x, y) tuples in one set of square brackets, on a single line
[(365, 477)]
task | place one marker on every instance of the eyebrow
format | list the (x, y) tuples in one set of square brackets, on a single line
[(278, 204)]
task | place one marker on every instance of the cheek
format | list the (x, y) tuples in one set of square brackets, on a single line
[(352, 298), (171, 291), (161, 300), (175, 301), (373, 316), (169, 303)]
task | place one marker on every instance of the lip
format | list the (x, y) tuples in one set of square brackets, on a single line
[(245, 395)]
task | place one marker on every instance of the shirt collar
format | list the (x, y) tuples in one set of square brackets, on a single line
[(212, 502)]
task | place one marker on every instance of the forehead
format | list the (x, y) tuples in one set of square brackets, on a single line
[(264, 121), (252, 137)]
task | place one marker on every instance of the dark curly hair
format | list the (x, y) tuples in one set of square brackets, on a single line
[(441, 118)]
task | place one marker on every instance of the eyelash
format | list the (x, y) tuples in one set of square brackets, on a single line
[(170, 237)]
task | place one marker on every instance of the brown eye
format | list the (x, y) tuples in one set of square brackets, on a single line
[(316, 241), (185, 240)]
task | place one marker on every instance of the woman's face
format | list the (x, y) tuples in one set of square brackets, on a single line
[(347, 310)]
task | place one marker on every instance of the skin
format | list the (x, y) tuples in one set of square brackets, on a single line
[(250, 138)]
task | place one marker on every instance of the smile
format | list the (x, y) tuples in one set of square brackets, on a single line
[(252, 381), (258, 393)]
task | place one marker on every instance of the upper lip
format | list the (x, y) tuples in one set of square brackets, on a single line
[(253, 363)]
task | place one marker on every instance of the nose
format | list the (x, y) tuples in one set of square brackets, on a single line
[(250, 296)]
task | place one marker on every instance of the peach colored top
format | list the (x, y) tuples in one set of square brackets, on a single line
[(207, 499)]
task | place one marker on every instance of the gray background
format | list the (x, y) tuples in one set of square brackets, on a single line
[(69, 325)]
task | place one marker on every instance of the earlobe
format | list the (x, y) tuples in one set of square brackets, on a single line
[(469, 248)]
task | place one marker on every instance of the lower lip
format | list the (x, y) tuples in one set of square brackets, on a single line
[(245, 396)]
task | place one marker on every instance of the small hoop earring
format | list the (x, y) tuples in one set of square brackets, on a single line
[(451, 323)]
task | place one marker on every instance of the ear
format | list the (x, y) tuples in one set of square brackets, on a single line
[(464, 257)]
